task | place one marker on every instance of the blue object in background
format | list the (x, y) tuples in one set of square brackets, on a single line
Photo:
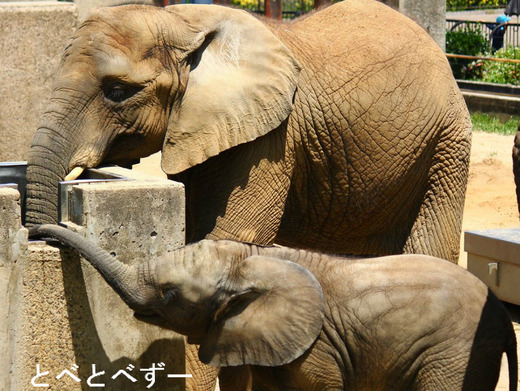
[(498, 32), (503, 19)]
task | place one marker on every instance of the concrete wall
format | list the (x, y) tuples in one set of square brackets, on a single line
[(32, 38), (85, 7), (56, 311), (13, 253)]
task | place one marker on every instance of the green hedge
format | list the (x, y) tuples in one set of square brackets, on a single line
[(471, 41), (465, 40), (453, 5), (500, 72)]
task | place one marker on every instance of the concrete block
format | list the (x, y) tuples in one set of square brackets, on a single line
[(494, 257), (491, 103), (134, 220), (33, 36), (44, 322), (56, 311), (13, 251)]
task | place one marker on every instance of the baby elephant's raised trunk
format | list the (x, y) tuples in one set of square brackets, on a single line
[(121, 277)]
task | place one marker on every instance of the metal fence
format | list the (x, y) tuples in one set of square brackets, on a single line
[(511, 36), (290, 8)]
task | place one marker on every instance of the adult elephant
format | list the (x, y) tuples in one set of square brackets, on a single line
[(343, 131)]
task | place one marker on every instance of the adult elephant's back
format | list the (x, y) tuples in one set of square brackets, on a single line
[(383, 168)]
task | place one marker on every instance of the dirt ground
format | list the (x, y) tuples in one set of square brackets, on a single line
[(490, 199), (491, 202)]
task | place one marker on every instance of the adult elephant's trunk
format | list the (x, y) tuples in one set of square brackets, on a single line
[(46, 167), (49, 159), (124, 279), (516, 166)]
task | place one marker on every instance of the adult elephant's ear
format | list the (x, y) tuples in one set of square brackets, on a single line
[(240, 85), (275, 316)]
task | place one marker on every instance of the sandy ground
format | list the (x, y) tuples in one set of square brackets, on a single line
[(490, 199), (491, 203)]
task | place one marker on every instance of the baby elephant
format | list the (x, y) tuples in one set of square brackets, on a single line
[(309, 321)]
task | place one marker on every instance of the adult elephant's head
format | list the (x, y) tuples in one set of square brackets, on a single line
[(192, 80)]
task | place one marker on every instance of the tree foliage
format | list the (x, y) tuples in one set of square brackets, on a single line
[(287, 5)]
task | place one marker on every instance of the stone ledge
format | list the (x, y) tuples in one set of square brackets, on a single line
[(493, 258)]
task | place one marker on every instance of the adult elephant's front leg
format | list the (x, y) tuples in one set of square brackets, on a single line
[(204, 377), (241, 193)]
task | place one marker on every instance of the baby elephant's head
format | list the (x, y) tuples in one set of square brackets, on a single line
[(241, 309)]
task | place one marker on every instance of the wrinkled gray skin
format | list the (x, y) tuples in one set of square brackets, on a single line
[(343, 131), (309, 321)]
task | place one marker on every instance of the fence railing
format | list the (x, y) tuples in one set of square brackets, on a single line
[(291, 9), (511, 36)]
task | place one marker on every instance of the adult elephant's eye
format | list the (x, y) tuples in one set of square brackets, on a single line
[(119, 92), (169, 296)]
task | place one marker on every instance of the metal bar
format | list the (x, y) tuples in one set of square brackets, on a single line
[(510, 38), (466, 57)]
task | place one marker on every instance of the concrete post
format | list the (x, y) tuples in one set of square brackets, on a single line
[(430, 15), (134, 220), (13, 252)]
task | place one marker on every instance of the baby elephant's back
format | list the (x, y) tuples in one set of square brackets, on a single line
[(418, 321)]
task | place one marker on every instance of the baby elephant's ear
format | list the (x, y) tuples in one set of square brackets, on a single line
[(275, 316)]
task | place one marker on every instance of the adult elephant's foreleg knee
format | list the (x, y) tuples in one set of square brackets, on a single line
[(437, 227), (204, 377)]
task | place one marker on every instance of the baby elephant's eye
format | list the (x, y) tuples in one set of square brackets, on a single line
[(119, 92)]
